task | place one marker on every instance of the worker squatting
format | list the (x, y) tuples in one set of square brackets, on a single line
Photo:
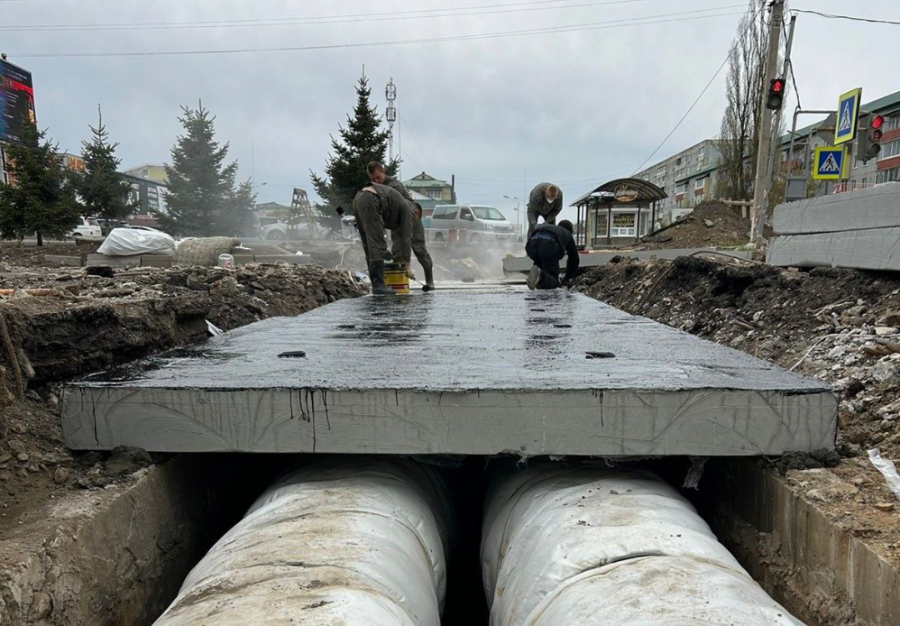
[(385, 204)]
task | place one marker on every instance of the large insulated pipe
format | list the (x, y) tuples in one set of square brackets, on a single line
[(343, 541), (578, 544)]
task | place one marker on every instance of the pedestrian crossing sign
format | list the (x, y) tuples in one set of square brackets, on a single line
[(847, 117), (829, 163)]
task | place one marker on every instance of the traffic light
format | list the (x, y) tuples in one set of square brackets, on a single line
[(870, 139), (776, 94)]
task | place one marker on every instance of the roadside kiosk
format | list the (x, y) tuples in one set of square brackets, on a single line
[(615, 214)]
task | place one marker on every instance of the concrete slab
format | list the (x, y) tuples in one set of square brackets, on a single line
[(60, 260), (861, 209), (872, 249), (455, 373), (522, 264), (142, 260)]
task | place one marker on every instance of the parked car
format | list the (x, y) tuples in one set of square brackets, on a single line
[(468, 223), (84, 229), (268, 221), (105, 225)]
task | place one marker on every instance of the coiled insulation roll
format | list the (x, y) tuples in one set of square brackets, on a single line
[(344, 541), (576, 544)]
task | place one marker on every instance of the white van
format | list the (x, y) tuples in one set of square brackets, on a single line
[(468, 223), (85, 229)]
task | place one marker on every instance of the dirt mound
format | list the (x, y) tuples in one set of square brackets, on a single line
[(710, 224), (839, 326)]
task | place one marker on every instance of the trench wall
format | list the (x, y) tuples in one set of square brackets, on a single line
[(117, 557), (807, 562)]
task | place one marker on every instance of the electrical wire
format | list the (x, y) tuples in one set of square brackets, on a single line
[(488, 9), (572, 28), (854, 18), (750, 22)]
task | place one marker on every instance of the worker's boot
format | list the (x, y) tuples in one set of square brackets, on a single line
[(534, 277), (376, 275), (429, 279)]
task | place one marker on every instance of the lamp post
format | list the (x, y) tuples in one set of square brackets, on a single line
[(518, 215)]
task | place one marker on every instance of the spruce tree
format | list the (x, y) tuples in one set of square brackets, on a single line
[(202, 199), (40, 199), (103, 191), (360, 142)]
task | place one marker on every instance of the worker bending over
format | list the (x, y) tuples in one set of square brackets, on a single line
[(546, 247), (546, 200), (378, 208), (378, 175)]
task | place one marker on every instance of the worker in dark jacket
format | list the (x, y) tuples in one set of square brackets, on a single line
[(378, 208), (377, 174), (546, 247), (546, 200)]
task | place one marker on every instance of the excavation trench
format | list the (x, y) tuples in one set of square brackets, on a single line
[(125, 562)]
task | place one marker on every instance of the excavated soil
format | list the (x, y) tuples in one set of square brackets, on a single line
[(839, 326), (63, 324), (711, 224)]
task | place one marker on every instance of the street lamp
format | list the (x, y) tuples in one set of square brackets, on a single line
[(518, 215)]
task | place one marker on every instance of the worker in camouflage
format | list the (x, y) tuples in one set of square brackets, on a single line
[(378, 175), (378, 208)]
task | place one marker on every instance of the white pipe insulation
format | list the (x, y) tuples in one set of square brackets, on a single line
[(578, 544), (345, 541)]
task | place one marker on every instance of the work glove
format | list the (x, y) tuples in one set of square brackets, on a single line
[(410, 273)]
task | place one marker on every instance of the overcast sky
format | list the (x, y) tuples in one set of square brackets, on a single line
[(576, 107)]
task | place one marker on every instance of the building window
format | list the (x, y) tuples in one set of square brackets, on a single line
[(699, 184), (888, 176), (678, 161), (623, 225), (680, 188), (892, 123), (701, 155), (434, 194), (890, 149)]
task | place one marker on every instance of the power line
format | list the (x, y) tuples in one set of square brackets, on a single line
[(833, 16), (644, 21), (750, 22), (488, 9)]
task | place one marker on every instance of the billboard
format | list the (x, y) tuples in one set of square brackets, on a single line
[(16, 102)]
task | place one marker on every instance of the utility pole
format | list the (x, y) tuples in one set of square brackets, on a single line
[(760, 192), (786, 68)]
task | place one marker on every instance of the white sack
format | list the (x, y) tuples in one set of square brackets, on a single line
[(575, 544), (350, 541), (131, 242)]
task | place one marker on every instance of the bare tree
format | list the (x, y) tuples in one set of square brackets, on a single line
[(746, 84)]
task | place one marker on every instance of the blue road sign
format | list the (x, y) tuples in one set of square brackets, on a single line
[(847, 117), (829, 164)]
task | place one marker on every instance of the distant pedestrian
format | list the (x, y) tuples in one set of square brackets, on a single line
[(377, 174), (545, 200), (546, 247), (378, 208)]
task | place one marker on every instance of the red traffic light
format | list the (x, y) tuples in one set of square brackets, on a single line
[(877, 122), (776, 94)]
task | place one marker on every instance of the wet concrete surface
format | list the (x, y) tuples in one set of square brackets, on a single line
[(496, 353)]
